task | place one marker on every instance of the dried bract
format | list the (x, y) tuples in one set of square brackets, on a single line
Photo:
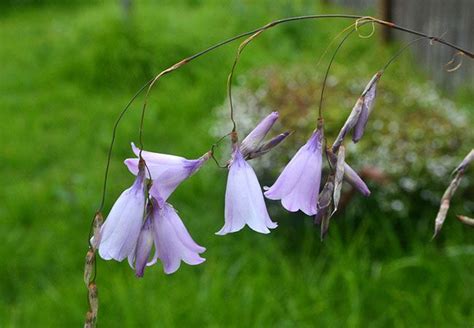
[(448, 194), (350, 175), (339, 176), (466, 220), (324, 206)]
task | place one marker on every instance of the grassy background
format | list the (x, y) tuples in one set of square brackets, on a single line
[(67, 71)]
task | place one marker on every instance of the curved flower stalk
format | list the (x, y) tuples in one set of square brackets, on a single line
[(299, 182), (119, 233), (167, 171), (359, 115), (164, 229)]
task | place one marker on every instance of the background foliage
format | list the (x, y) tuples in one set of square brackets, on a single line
[(67, 70)]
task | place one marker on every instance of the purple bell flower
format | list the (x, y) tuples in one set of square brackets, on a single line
[(299, 182), (119, 233), (167, 171), (244, 202), (173, 244)]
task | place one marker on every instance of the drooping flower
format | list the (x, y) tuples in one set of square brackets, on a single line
[(244, 202), (119, 233), (172, 240), (299, 182), (167, 171), (164, 229)]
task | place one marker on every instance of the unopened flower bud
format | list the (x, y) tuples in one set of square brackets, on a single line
[(256, 136)]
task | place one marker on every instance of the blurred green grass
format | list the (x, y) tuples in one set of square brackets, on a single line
[(65, 75)]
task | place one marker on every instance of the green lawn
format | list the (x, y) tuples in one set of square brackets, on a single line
[(66, 73)]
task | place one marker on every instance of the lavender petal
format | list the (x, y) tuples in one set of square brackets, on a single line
[(298, 184), (244, 202), (172, 240), (119, 233)]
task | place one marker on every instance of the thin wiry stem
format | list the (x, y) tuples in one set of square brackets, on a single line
[(320, 109), (400, 51)]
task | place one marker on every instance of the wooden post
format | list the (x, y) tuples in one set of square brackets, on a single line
[(386, 13)]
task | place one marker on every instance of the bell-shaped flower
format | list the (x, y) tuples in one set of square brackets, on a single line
[(119, 233), (299, 182), (244, 202), (167, 171), (252, 147), (173, 244)]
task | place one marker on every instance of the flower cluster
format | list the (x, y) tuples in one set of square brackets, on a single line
[(141, 219)]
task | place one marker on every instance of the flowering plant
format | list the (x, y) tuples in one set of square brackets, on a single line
[(141, 217)]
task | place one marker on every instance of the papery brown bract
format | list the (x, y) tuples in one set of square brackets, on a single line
[(339, 176), (324, 206)]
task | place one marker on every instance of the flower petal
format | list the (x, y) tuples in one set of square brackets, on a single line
[(144, 246), (244, 202), (119, 233), (172, 241), (299, 182), (166, 171)]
